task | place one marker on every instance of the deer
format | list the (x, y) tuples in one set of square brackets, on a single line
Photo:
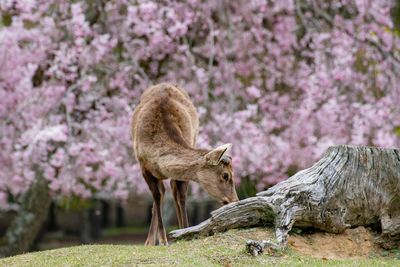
[(164, 129)]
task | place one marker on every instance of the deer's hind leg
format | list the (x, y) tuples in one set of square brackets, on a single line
[(179, 192), (153, 230), (156, 227)]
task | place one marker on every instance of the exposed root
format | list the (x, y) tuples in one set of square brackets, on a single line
[(256, 248), (255, 211)]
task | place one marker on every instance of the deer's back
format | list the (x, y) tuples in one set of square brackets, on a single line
[(164, 120)]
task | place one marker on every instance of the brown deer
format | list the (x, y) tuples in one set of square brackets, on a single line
[(164, 131)]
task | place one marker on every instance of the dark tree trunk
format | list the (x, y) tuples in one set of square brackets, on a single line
[(120, 220), (27, 223), (52, 224), (85, 233), (96, 220), (105, 212), (350, 186), (91, 223)]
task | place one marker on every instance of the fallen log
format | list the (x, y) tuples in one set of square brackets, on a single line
[(349, 187)]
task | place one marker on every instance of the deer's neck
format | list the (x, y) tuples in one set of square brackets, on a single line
[(181, 164)]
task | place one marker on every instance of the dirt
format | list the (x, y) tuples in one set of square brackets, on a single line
[(352, 244)]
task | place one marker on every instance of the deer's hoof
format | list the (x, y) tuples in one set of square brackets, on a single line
[(163, 243), (149, 243)]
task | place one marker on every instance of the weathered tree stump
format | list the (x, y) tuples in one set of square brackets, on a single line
[(349, 187)]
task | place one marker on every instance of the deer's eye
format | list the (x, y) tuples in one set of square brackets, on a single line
[(225, 176)]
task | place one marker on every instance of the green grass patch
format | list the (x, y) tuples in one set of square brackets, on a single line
[(225, 249)]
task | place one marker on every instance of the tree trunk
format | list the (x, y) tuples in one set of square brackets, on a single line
[(349, 187), (26, 225), (91, 223)]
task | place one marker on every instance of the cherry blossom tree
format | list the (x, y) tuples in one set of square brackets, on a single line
[(281, 80)]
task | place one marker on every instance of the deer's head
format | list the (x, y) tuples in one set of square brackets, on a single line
[(216, 175)]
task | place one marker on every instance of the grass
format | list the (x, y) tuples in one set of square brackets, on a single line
[(226, 249)]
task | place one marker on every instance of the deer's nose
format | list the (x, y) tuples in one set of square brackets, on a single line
[(225, 202), (235, 197)]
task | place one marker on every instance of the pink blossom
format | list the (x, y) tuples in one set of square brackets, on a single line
[(253, 92), (282, 94)]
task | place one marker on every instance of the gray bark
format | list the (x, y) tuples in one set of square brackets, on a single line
[(350, 186), (26, 225)]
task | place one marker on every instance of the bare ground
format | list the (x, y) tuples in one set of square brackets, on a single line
[(357, 243), (352, 244)]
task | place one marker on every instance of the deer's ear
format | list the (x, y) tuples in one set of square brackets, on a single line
[(214, 156)]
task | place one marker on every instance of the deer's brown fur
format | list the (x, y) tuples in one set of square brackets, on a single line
[(164, 131)]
